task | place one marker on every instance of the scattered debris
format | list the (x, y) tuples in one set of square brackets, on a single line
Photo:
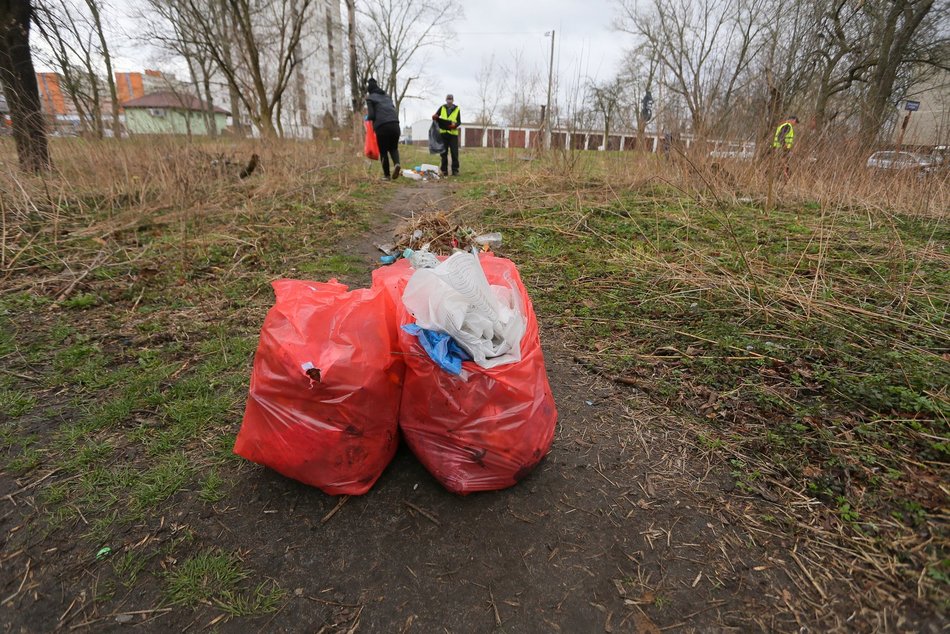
[(434, 232)]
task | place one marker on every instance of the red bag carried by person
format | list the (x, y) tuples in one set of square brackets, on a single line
[(325, 387), (487, 428), (370, 146)]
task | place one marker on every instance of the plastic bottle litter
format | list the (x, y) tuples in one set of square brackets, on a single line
[(492, 240)]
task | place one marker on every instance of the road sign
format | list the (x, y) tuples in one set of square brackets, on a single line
[(912, 105)]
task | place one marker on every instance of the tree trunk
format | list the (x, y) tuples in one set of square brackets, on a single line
[(265, 123), (895, 42), (209, 102), (234, 93), (19, 84), (236, 122), (357, 101), (332, 55), (197, 87), (97, 21)]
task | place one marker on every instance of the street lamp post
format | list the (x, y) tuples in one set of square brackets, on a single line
[(547, 108)]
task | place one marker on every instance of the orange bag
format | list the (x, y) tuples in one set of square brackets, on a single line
[(325, 387), (370, 146), (484, 430)]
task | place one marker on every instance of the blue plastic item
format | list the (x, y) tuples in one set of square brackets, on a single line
[(440, 347), (387, 259)]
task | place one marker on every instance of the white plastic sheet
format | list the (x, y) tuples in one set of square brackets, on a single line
[(456, 298)]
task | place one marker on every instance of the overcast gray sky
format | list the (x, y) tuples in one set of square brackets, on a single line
[(585, 46)]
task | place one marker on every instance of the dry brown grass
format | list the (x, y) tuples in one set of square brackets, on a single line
[(99, 189)]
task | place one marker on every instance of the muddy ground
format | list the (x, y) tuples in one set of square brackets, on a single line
[(626, 526)]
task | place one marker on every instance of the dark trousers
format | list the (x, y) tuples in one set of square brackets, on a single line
[(451, 144), (387, 136)]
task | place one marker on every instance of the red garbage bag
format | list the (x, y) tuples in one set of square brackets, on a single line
[(370, 146), (488, 428), (325, 387)]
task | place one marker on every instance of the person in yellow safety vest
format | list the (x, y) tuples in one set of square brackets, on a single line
[(784, 140), (785, 134), (449, 118)]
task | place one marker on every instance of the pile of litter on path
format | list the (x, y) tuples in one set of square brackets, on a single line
[(435, 233), (424, 172)]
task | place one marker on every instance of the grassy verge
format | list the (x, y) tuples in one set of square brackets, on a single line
[(807, 343), (134, 284)]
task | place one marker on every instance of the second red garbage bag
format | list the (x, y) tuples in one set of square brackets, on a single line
[(325, 388), (488, 428)]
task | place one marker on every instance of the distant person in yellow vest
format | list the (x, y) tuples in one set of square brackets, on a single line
[(784, 140), (449, 118)]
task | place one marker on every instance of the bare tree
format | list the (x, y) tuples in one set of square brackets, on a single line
[(639, 72), (95, 7), (19, 85), (255, 45), (607, 99), (788, 62), (369, 57), (68, 33), (896, 22), (740, 65), (173, 27), (522, 108), (491, 87), (705, 48), (355, 99), (404, 28)]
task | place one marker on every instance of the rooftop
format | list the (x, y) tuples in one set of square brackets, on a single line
[(170, 100)]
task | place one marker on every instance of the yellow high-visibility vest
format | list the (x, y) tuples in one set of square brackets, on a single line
[(786, 138), (454, 118)]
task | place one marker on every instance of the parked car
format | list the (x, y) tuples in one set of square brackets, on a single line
[(890, 160)]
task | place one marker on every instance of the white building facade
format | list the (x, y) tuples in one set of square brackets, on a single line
[(318, 94)]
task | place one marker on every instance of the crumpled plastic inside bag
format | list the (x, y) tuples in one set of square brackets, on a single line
[(455, 297)]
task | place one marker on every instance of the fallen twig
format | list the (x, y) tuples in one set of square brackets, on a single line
[(426, 514), (333, 511)]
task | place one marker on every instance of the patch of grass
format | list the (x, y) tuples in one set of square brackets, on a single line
[(128, 566), (81, 301), (27, 460), (214, 576), (155, 484), (331, 265), (212, 489), (15, 403), (265, 598)]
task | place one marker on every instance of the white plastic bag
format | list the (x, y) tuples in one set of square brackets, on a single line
[(455, 298)]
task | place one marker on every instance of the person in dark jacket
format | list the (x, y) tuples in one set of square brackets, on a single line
[(382, 112), (449, 118)]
